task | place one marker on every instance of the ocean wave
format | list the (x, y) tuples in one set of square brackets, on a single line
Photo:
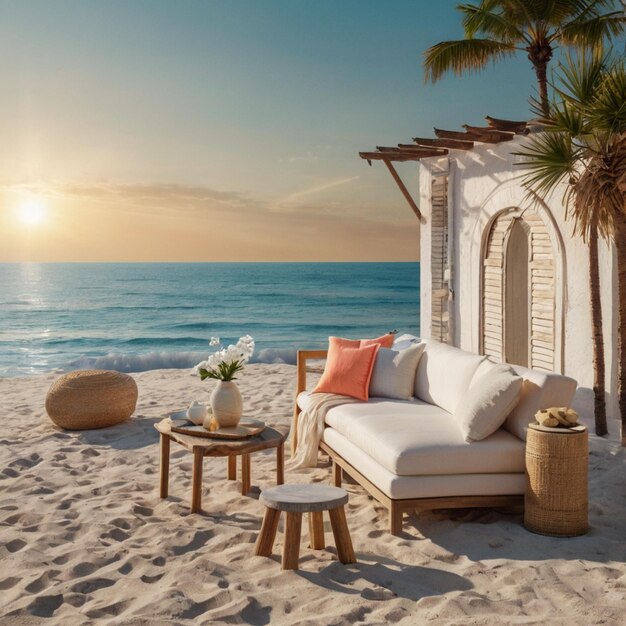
[(171, 360)]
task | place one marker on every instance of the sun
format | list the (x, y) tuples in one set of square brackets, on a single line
[(32, 213)]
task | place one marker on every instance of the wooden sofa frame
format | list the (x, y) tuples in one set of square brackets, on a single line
[(396, 508)]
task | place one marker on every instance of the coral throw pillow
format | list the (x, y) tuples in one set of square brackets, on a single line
[(348, 369), (386, 341)]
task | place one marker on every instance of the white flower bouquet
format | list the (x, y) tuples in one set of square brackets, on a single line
[(225, 363)]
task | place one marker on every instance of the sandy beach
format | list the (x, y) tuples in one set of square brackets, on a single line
[(85, 539)]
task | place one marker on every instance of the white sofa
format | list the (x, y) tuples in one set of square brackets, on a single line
[(411, 455)]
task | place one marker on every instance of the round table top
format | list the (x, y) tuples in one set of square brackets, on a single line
[(303, 498), (572, 430)]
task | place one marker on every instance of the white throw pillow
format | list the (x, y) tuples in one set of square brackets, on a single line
[(404, 341), (489, 401), (444, 373), (394, 372)]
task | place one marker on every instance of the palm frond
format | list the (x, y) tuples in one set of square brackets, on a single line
[(608, 112), (579, 78), (549, 158), (566, 118), (595, 199), (479, 20), (523, 11), (559, 12), (593, 32), (462, 56)]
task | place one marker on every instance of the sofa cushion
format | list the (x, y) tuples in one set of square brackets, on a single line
[(431, 486), (394, 372), (348, 370), (490, 399), (540, 390), (444, 373), (412, 438)]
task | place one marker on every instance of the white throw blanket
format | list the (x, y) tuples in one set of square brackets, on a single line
[(309, 427)]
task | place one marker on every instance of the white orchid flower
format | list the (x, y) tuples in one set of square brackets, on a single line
[(225, 363)]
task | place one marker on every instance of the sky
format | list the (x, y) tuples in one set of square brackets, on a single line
[(223, 130)]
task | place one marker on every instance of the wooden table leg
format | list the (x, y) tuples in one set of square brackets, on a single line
[(245, 474), (196, 481), (232, 467), (316, 530), (280, 464), (267, 534), (343, 542), (336, 474), (165, 466), (291, 546)]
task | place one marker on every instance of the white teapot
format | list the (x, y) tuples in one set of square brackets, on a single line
[(196, 412)]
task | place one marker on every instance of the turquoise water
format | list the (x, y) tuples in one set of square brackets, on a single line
[(135, 316)]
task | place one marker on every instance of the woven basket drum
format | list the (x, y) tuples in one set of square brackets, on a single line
[(556, 501), (88, 399)]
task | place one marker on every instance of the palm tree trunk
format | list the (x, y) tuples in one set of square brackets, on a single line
[(599, 392), (541, 70), (539, 54), (620, 246)]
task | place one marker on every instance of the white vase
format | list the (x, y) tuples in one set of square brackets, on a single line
[(226, 403)]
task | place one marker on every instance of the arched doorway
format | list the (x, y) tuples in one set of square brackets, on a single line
[(518, 291)]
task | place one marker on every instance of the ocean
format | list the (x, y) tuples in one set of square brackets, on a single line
[(140, 316)]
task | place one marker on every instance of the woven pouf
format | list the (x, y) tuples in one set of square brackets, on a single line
[(88, 399), (556, 501)]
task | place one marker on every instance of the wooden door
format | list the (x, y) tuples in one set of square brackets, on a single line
[(517, 296)]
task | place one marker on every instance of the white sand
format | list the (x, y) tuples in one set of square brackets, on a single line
[(85, 538)]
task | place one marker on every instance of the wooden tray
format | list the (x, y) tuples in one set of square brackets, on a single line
[(247, 427), (562, 430)]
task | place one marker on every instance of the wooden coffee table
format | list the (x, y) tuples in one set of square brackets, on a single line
[(201, 447)]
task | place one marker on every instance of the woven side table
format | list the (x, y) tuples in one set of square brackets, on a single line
[(556, 500)]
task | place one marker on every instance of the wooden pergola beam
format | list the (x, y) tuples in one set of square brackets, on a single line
[(387, 156), (491, 137), (507, 125), (453, 144), (405, 191), (397, 154), (488, 132)]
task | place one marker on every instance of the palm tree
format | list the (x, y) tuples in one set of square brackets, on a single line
[(496, 29), (597, 338), (583, 151)]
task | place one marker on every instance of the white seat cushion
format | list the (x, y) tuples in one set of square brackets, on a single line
[(412, 438), (304, 399), (444, 374), (432, 486)]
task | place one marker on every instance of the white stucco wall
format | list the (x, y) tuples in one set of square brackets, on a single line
[(484, 181)]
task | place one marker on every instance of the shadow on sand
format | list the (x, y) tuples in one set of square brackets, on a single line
[(137, 432), (467, 532), (387, 578)]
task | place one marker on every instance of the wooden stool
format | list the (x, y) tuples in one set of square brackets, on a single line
[(296, 500)]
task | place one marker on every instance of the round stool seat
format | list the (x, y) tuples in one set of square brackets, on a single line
[(303, 498), (87, 399)]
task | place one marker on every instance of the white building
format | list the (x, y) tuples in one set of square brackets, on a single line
[(501, 274)]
